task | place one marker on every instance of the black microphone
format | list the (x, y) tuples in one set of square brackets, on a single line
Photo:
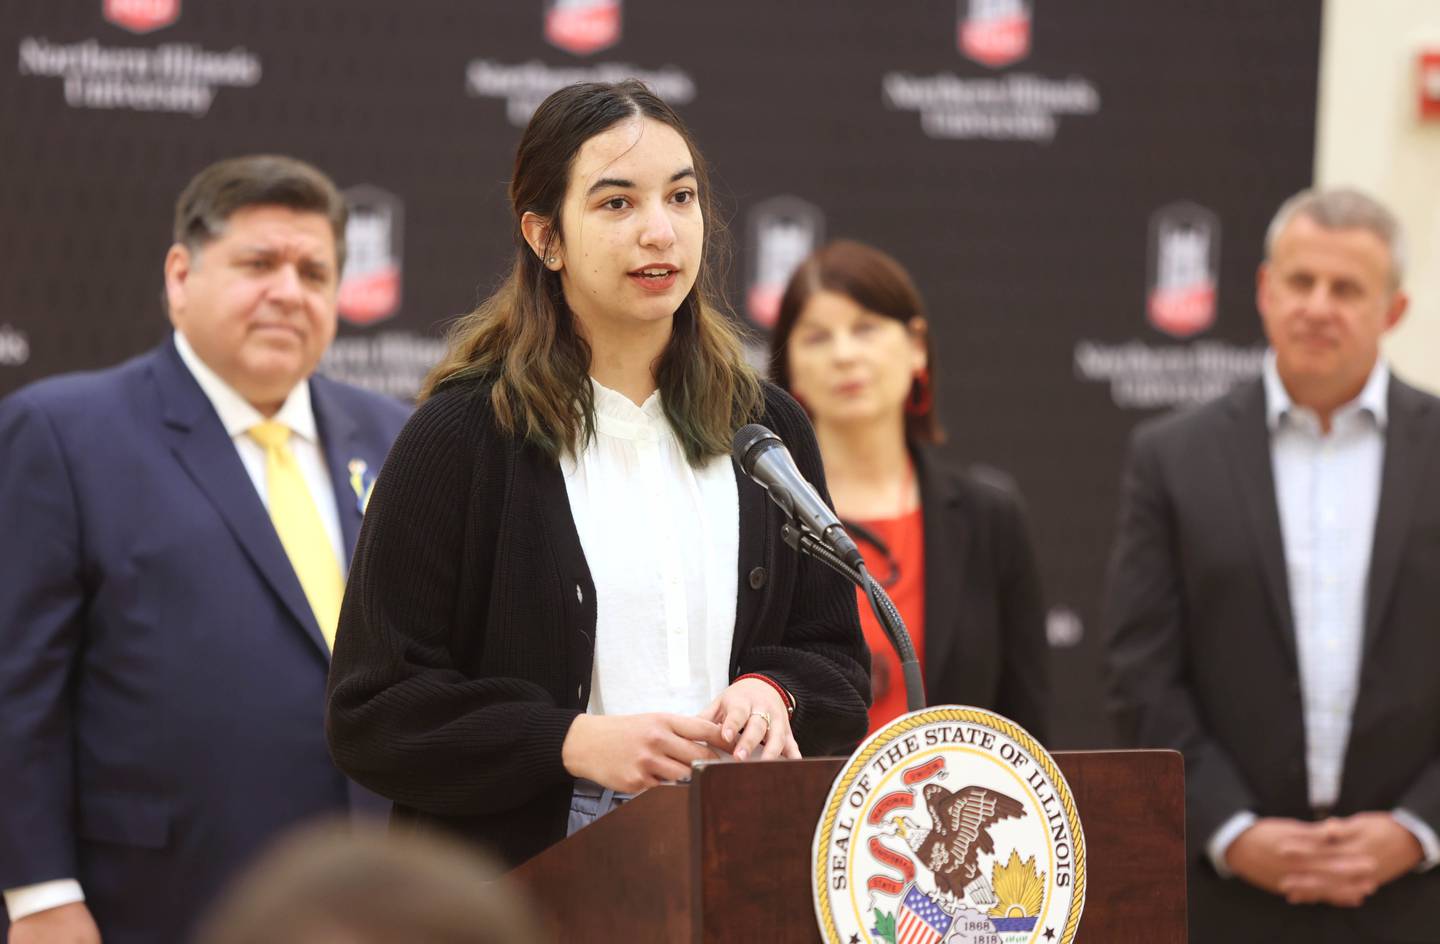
[(764, 458)]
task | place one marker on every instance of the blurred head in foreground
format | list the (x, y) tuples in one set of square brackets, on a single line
[(335, 884)]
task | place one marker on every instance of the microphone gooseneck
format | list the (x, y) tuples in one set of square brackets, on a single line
[(815, 531)]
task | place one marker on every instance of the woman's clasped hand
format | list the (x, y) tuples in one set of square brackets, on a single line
[(631, 753)]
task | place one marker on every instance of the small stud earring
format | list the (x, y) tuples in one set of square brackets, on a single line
[(549, 260)]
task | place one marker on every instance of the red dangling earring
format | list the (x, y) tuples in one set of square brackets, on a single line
[(922, 397)]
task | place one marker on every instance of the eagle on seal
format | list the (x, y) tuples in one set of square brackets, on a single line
[(960, 823)]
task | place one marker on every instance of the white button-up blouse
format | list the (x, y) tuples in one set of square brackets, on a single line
[(661, 539)]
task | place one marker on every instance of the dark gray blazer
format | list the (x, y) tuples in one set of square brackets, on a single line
[(1201, 649)]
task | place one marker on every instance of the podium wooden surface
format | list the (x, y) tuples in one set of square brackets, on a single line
[(727, 857)]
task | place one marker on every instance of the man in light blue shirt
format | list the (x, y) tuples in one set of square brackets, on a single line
[(1274, 605)]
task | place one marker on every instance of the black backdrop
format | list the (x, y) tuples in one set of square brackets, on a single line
[(1079, 188)]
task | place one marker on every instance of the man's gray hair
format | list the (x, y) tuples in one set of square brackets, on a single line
[(1343, 208)]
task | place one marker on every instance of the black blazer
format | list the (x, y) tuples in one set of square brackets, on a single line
[(1201, 648), (467, 635), (984, 611)]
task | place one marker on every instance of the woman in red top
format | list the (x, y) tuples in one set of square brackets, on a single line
[(949, 543)]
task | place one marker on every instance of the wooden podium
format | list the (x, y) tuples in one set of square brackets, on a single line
[(727, 857)]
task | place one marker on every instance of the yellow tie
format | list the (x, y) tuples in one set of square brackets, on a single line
[(297, 522)]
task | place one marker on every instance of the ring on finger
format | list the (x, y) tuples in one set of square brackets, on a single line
[(763, 716)]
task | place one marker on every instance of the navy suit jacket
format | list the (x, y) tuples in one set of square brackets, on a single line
[(162, 676)]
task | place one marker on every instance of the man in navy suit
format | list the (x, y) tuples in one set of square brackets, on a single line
[(170, 577)]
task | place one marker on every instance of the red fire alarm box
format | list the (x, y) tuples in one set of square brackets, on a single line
[(1430, 85)]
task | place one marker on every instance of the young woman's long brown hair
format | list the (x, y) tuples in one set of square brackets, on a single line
[(524, 338)]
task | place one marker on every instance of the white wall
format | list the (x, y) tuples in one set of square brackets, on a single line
[(1369, 136)]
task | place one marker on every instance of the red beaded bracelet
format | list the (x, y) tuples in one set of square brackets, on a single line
[(785, 697)]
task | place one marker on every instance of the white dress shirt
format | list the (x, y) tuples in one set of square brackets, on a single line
[(662, 540), (237, 416), (1327, 491)]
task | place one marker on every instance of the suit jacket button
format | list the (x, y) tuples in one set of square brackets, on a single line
[(757, 578), (579, 594)]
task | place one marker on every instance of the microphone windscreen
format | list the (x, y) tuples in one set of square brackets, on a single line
[(746, 439)]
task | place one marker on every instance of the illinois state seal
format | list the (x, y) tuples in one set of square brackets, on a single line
[(950, 826)]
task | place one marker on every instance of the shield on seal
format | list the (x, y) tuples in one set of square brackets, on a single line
[(783, 231), (370, 285), (921, 921), (582, 26), (994, 33), (1184, 269), (142, 16)]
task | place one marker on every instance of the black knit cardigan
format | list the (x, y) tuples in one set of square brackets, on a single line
[(467, 633)]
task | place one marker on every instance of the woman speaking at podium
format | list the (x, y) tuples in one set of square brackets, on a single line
[(852, 344), (562, 593)]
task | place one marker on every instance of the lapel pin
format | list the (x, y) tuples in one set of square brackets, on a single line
[(362, 482)]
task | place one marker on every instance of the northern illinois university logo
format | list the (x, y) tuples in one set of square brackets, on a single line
[(370, 285), (950, 826), (1184, 269), (994, 33), (783, 231), (582, 26), (142, 16)]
